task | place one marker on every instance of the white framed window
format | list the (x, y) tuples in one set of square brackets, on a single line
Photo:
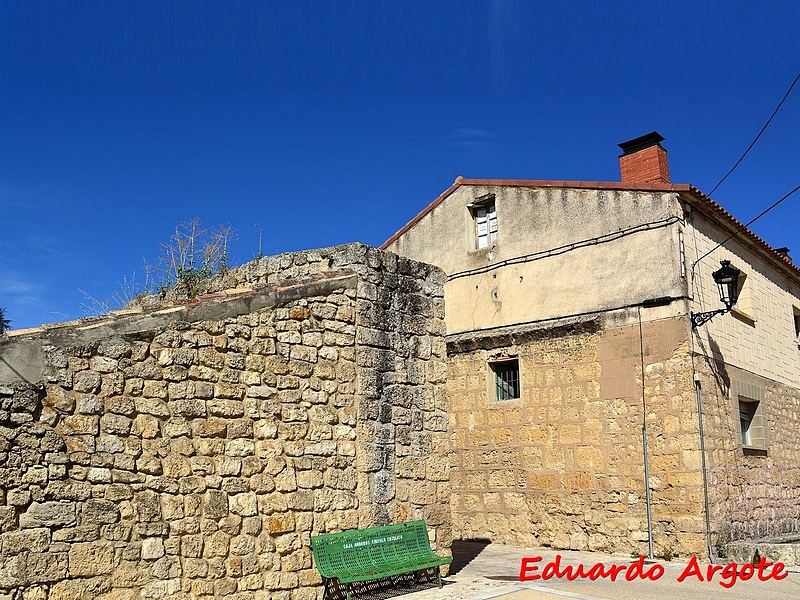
[(796, 316), (484, 216), (486, 226)]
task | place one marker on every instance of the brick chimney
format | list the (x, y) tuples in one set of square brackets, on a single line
[(643, 160)]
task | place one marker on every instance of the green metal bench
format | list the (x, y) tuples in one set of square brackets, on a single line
[(374, 553)]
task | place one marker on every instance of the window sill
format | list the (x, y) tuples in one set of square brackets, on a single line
[(498, 401), (754, 451), (744, 317), (485, 250)]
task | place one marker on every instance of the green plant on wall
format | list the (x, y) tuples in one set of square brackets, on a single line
[(192, 255), (5, 324)]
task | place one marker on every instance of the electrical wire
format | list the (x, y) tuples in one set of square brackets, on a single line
[(763, 129), (745, 226), (549, 253)]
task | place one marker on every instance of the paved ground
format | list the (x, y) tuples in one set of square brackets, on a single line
[(483, 572)]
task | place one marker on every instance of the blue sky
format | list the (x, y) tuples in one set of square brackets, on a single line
[(324, 123)]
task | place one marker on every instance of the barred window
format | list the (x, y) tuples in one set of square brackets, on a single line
[(506, 379)]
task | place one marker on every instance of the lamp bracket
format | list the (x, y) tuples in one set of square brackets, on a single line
[(701, 318)]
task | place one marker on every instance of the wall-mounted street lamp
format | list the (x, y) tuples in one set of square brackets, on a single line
[(727, 280)]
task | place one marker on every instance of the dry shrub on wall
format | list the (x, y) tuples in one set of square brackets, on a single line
[(192, 255)]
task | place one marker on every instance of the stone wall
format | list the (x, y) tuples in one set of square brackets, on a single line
[(562, 466), (191, 450), (754, 492)]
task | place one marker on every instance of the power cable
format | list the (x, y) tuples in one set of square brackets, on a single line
[(763, 129), (745, 226)]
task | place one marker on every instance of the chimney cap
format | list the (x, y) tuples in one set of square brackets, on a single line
[(640, 143)]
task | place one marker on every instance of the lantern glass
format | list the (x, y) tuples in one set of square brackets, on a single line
[(727, 280)]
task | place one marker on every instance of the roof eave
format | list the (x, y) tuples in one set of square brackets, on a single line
[(717, 213), (690, 192), (605, 185)]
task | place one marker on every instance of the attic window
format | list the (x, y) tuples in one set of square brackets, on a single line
[(484, 216)]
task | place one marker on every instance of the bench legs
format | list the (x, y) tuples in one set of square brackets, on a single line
[(326, 594), (350, 589), (438, 576)]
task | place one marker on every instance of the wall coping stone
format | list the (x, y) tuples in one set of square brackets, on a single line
[(22, 357)]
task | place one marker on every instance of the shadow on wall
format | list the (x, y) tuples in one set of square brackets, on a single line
[(716, 364), (465, 551)]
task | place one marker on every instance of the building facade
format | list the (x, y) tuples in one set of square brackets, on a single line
[(574, 368)]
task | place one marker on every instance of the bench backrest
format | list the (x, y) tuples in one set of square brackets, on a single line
[(350, 552)]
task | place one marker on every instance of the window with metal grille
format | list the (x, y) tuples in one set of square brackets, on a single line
[(506, 379)]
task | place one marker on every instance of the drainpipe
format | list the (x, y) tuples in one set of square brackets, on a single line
[(644, 446), (647, 492), (711, 558)]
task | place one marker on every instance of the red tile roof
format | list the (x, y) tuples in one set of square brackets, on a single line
[(725, 217), (692, 194)]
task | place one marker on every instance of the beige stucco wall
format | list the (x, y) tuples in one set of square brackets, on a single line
[(575, 251)]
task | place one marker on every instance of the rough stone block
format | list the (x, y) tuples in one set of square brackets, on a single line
[(48, 514), (152, 548), (91, 559), (245, 505)]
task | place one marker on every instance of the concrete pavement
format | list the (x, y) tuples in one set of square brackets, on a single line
[(484, 572)]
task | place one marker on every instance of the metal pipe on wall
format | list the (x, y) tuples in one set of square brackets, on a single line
[(705, 474), (644, 445)]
